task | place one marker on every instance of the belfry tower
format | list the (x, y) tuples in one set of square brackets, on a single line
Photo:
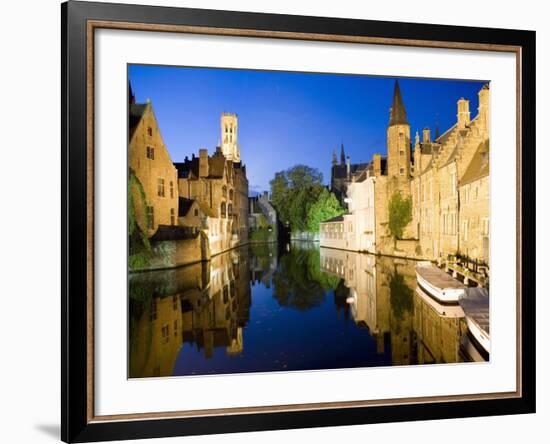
[(399, 142), (230, 146)]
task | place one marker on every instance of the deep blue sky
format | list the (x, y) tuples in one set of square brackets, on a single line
[(287, 118)]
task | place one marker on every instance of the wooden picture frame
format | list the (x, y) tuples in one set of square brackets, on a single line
[(79, 22)]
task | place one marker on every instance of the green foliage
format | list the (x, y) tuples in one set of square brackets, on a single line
[(301, 200), (325, 207), (138, 243), (400, 214), (299, 282), (401, 296)]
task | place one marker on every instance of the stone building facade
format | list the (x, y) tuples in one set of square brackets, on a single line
[(447, 180), (150, 163), (219, 184)]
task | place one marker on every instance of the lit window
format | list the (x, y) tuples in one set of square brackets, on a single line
[(160, 187), (150, 218)]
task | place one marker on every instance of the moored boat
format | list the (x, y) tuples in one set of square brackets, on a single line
[(438, 284), (475, 303), (444, 311)]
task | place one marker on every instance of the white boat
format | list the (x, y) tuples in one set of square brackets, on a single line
[(438, 284), (444, 311), (475, 303)]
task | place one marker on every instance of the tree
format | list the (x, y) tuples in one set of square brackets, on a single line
[(293, 191), (325, 207), (400, 214)]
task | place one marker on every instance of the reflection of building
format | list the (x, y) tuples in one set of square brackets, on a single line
[(206, 305), (382, 297), (219, 185), (442, 224), (155, 196)]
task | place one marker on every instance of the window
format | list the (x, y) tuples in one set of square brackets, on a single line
[(153, 312), (401, 152), (160, 187), (150, 218), (401, 171), (172, 216), (485, 227), (230, 210), (224, 191), (465, 226), (453, 182), (223, 209), (165, 332), (151, 153), (196, 211), (149, 131), (171, 189), (231, 194)]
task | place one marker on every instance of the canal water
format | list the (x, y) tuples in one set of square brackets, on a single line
[(271, 307)]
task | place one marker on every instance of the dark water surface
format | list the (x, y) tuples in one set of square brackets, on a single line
[(276, 307)]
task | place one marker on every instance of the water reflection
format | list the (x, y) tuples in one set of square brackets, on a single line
[(277, 308)]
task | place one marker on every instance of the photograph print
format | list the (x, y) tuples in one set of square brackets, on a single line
[(291, 221)]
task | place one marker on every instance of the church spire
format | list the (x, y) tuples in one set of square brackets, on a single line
[(398, 115), (334, 160), (342, 155)]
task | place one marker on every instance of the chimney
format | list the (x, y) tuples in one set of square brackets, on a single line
[(483, 110), (426, 135), (203, 163), (463, 115), (377, 161)]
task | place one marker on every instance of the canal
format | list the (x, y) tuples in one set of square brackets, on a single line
[(270, 307)]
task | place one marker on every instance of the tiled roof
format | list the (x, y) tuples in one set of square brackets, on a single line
[(479, 166)]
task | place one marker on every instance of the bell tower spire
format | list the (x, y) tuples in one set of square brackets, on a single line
[(399, 142)]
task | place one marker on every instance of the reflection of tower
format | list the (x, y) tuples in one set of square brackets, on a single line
[(230, 146)]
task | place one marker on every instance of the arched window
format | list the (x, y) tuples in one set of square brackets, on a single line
[(224, 191), (223, 209), (231, 194), (230, 210)]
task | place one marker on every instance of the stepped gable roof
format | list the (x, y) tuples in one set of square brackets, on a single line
[(398, 114), (479, 166), (217, 165), (184, 205), (135, 113)]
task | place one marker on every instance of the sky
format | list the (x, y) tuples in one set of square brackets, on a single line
[(290, 118)]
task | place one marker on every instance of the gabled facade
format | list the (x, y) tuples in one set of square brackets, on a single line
[(150, 162)]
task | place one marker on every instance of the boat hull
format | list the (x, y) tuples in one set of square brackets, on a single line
[(442, 295)]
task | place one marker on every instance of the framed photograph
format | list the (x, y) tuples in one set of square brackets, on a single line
[(276, 221)]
